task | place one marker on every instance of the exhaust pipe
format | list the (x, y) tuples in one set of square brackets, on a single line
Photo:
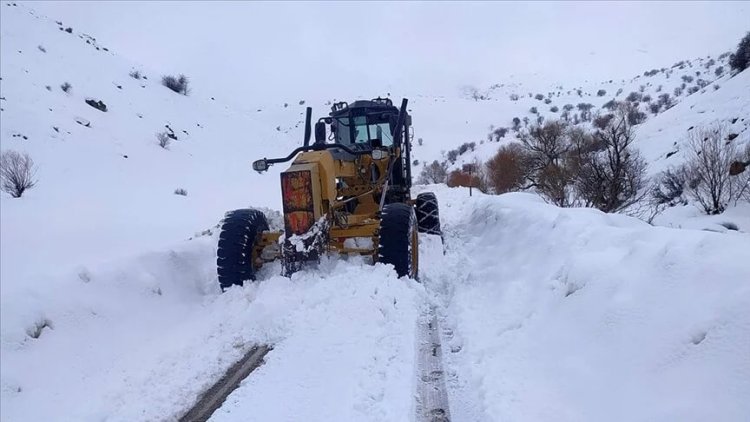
[(308, 129)]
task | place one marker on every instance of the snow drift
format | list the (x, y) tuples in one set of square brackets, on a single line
[(573, 314)]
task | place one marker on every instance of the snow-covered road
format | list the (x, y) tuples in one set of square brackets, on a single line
[(545, 314)]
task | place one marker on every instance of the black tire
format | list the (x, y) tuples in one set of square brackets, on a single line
[(428, 215), (239, 232), (398, 243)]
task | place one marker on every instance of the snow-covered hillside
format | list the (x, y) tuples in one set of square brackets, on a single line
[(104, 184), (110, 307)]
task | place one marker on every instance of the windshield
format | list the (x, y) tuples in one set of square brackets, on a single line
[(362, 131)]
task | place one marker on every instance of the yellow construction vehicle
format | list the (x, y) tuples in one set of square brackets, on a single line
[(347, 193)]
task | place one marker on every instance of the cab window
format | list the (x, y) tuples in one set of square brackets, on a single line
[(362, 131)]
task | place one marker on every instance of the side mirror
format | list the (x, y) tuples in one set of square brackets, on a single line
[(320, 132), (261, 165)]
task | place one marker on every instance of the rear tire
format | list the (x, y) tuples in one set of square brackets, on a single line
[(240, 230), (398, 243), (428, 215)]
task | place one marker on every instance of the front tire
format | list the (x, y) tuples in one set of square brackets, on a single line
[(399, 244), (240, 231), (428, 215)]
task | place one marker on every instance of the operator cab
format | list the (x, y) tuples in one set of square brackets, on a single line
[(362, 125)]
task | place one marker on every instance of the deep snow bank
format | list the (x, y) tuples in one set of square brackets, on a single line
[(575, 315), (140, 339)]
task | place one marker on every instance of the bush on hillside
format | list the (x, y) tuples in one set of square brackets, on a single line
[(709, 159), (17, 173), (740, 60), (178, 84), (433, 173), (506, 169), (163, 139)]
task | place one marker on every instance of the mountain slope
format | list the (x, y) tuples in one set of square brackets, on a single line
[(104, 184)]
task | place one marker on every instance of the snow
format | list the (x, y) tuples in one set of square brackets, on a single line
[(572, 314), (141, 340), (110, 206), (111, 309), (730, 106)]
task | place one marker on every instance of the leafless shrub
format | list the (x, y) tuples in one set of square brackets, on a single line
[(17, 173), (669, 187), (546, 148), (163, 139), (601, 122), (666, 101), (135, 74), (585, 109), (613, 178), (66, 87), (634, 96), (178, 84), (610, 105), (433, 173), (634, 114), (516, 124), (709, 159), (180, 191), (498, 134)]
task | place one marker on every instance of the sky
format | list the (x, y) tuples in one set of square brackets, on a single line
[(266, 50)]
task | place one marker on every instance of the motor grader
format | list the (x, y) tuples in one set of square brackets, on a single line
[(347, 193)]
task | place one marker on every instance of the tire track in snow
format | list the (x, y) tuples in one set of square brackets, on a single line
[(214, 397), (447, 266), (432, 396)]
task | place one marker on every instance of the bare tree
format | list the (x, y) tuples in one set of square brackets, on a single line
[(17, 172), (547, 147), (614, 178), (433, 173), (708, 164)]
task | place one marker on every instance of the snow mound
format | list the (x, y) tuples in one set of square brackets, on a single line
[(576, 315), (140, 339)]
